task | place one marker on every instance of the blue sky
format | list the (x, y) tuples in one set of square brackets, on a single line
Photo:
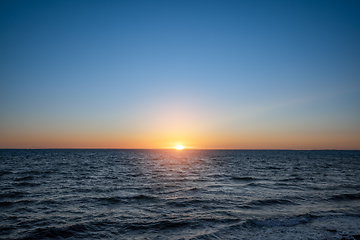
[(147, 74)]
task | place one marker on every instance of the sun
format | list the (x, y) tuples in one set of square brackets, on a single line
[(179, 147)]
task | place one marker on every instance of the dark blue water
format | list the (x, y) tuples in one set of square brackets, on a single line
[(170, 194)]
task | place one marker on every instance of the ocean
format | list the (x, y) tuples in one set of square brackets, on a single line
[(187, 194)]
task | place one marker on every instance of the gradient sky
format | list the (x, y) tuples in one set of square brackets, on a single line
[(205, 74)]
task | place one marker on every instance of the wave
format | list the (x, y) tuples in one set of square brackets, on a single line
[(117, 199), (273, 167), (13, 194), (185, 202), (292, 227), (279, 222), (193, 223), (31, 173), (27, 184), (293, 179), (50, 202), (57, 232), (6, 204), (245, 178), (158, 225), (266, 202), (345, 197), (25, 178), (193, 189), (267, 228), (4, 172), (95, 229)]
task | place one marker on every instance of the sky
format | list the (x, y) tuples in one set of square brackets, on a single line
[(203, 74)]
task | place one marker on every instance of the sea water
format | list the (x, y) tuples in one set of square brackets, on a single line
[(171, 194)]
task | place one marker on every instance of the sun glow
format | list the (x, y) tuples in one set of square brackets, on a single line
[(179, 147)]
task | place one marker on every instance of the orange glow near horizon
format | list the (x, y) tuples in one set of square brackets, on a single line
[(165, 140)]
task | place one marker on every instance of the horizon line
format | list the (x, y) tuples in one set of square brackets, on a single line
[(244, 149)]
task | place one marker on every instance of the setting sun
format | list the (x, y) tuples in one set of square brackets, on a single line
[(179, 147)]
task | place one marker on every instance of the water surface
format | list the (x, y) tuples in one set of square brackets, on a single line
[(170, 194)]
